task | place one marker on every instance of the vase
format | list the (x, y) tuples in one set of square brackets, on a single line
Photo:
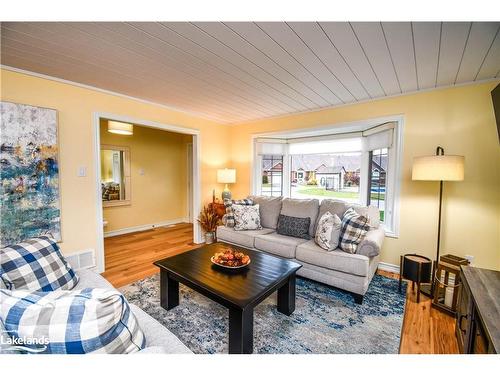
[(209, 237)]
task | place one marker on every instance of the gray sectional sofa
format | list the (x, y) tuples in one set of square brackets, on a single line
[(158, 338), (351, 272)]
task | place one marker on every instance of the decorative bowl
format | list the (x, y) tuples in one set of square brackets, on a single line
[(230, 267)]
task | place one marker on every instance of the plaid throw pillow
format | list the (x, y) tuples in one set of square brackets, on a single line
[(354, 228), (71, 322), (36, 265), (228, 203)]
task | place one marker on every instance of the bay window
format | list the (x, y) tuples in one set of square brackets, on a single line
[(272, 175), (356, 166)]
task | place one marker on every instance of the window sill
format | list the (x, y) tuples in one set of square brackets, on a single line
[(390, 233)]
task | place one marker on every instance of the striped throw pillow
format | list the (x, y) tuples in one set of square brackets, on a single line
[(353, 230), (36, 265), (228, 203), (70, 322)]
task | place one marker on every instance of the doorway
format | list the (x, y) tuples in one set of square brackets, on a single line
[(191, 153)]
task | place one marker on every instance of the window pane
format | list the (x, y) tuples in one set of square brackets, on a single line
[(272, 175), (320, 176), (377, 180)]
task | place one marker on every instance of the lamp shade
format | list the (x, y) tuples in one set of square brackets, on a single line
[(226, 176), (438, 168), (120, 128)]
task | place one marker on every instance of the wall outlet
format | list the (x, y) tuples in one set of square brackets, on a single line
[(141, 171), (470, 258)]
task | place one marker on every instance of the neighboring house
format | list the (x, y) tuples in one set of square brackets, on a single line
[(272, 171), (331, 178), (329, 170), (334, 172), (379, 168)]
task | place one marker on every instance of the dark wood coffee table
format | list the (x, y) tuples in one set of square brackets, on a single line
[(238, 290)]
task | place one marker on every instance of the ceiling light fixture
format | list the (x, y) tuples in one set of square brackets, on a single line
[(121, 128)]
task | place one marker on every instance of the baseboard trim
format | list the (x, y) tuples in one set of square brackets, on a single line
[(383, 266), (141, 228)]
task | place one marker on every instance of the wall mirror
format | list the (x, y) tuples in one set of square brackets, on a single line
[(115, 175)]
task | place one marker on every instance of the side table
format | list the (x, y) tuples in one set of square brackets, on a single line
[(415, 268)]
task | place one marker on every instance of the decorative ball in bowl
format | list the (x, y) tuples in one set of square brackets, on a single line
[(230, 258)]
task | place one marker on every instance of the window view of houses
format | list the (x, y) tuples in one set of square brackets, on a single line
[(333, 176), (326, 176)]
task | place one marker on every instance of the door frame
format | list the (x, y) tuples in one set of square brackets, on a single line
[(190, 211), (195, 177)]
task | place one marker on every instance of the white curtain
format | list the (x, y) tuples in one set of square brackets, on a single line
[(378, 137), (319, 146), (267, 147)]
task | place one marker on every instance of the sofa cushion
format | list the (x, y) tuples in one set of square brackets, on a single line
[(157, 335), (246, 217), (270, 208), (72, 322), (328, 231), (274, 243), (36, 265), (354, 228), (337, 259), (91, 279), (294, 226), (302, 208), (371, 212), (343, 280), (334, 206), (339, 207), (242, 238)]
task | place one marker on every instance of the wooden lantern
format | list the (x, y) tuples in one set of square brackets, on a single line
[(447, 283)]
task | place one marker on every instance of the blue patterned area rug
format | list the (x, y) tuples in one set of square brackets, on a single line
[(326, 320)]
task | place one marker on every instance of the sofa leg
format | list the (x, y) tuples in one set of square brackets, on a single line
[(358, 298)]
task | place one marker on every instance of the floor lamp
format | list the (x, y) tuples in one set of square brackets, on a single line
[(439, 167)]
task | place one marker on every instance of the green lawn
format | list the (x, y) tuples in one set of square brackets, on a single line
[(327, 193), (330, 193)]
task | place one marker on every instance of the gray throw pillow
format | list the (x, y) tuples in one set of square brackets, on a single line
[(328, 231), (294, 226)]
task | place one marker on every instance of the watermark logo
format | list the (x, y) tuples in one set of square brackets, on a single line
[(14, 342)]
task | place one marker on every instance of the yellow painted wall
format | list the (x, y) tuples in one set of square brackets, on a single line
[(106, 165), (160, 194), (75, 107), (461, 120)]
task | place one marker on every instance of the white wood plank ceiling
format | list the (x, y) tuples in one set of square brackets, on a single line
[(239, 71)]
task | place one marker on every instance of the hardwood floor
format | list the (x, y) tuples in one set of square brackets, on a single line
[(425, 329), (130, 258)]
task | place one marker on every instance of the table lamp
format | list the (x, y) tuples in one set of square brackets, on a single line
[(226, 176), (439, 167)]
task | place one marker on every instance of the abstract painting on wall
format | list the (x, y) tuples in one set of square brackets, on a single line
[(29, 173)]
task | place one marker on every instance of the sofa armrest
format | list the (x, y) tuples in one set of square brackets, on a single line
[(371, 245)]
